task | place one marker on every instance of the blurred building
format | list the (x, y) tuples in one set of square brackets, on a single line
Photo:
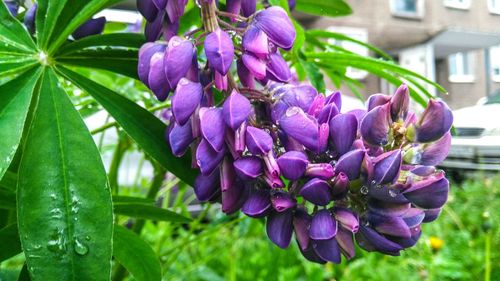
[(449, 41)]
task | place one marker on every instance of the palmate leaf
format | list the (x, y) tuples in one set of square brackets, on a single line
[(142, 126), (121, 40), (63, 198), (331, 8), (14, 37), (135, 255)]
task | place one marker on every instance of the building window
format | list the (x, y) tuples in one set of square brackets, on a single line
[(407, 8), (457, 4), (461, 67), (359, 34), (495, 63), (494, 6)]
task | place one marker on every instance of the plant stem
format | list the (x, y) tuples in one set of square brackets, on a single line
[(487, 256)]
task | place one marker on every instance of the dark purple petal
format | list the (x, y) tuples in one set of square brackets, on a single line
[(13, 7), (394, 226), (29, 17), (180, 137), (334, 98), (301, 96), (246, 77), (275, 22), (233, 7), (327, 113), (256, 66), (236, 110), (317, 192), (293, 164), (279, 228), (431, 215), (219, 50), (207, 158), (186, 99), (258, 203), (320, 170), (413, 217), (346, 242), (343, 130), (400, 103), (375, 125), (298, 125), (147, 9), (416, 232), (323, 226), (157, 80), (316, 106), (350, 164), (145, 53), (435, 121), (213, 126), (206, 187), (258, 141), (347, 219), (392, 209), (311, 255), (434, 153), (277, 68), (327, 250), (227, 174), (221, 82), (90, 27), (340, 186), (175, 9), (248, 7), (178, 60), (387, 167), (233, 198), (301, 224), (430, 193), (248, 167), (153, 29), (370, 240), (255, 41), (384, 194), (282, 201), (377, 100), (160, 4)]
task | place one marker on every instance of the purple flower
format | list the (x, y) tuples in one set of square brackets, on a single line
[(255, 41), (248, 167), (147, 9), (186, 99), (248, 7), (375, 125), (219, 50), (293, 164), (317, 191), (206, 186), (275, 22), (236, 110), (258, 204), (298, 125), (177, 60), (350, 164), (343, 130), (212, 124), (157, 80), (207, 158), (180, 138), (256, 66), (258, 141), (323, 226), (279, 228), (400, 103), (90, 27), (387, 167), (435, 121), (277, 68), (175, 9)]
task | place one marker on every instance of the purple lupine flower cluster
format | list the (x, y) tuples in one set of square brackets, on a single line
[(279, 150), (162, 17)]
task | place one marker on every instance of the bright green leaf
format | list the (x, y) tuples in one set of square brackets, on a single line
[(7, 199), (47, 14), (142, 126), (331, 8), (64, 202), (124, 40), (117, 199), (135, 255), (142, 211), (9, 242), (13, 36)]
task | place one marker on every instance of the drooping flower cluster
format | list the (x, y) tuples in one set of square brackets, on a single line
[(281, 150)]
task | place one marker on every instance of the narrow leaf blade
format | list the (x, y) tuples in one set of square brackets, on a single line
[(9, 242), (331, 8), (142, 211)]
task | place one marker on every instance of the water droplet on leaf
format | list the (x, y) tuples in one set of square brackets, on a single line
[(80, 248)]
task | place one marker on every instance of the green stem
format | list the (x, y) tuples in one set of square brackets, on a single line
[(114, 167), (487, 257)]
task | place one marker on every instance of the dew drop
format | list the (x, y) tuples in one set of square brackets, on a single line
[(53, 196), (80, 248), (374, 182), (364, 190), (393, 193), (87, 238)]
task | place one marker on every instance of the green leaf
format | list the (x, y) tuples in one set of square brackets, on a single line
[(47, 14), (124, 40), (7, 199), (142, 126), (331, 8), (9, 181), (117, 199), (15, 99), (142, 211), (13, 36), (118, 61), (9, 242), (74, 14), (135, 255), (63, 200), (314, 74)]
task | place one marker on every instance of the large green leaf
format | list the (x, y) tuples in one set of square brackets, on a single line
[(115, 60), (124, 40), (15, 98), (13, 36), (142, 126), (143, 211), (331, 8), (74, 14), (9, 242), (7, 199), (47, 14), (63, 200), (135, 255)]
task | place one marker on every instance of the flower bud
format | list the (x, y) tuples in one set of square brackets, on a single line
[(213, 126), (256, 66), (301, 224), (269, 19), (317, 106), (219, 50), (340, 186), (178, 60), (233, 198), (186, 99), (236, 110), (389, 225), (377, 100), (375, 125), (323, 226), (153, 29), (248, 167), (370, 240), (157, 80), (207, 158), (327, 113), (258, 203), (206, 187), (277, 68), (258, 141), (293, 164), (282, 201), (175, 9), (316, 191), (248, 7), (180, 138), (434, 153), (350, 164), (321, 170), (246, 77), (147, 9), (256, 42), (387, 167), (346, 242), (301, 127), (347, 219), (227, 174), (29, 17), (233, 7), (146, 52), (221, 82), (334, 98), (429, 193), (327, 250), (400, 103), (435, 121), (271, 164), (343, 130)]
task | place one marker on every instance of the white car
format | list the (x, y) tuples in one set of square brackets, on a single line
[(476, 139)]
